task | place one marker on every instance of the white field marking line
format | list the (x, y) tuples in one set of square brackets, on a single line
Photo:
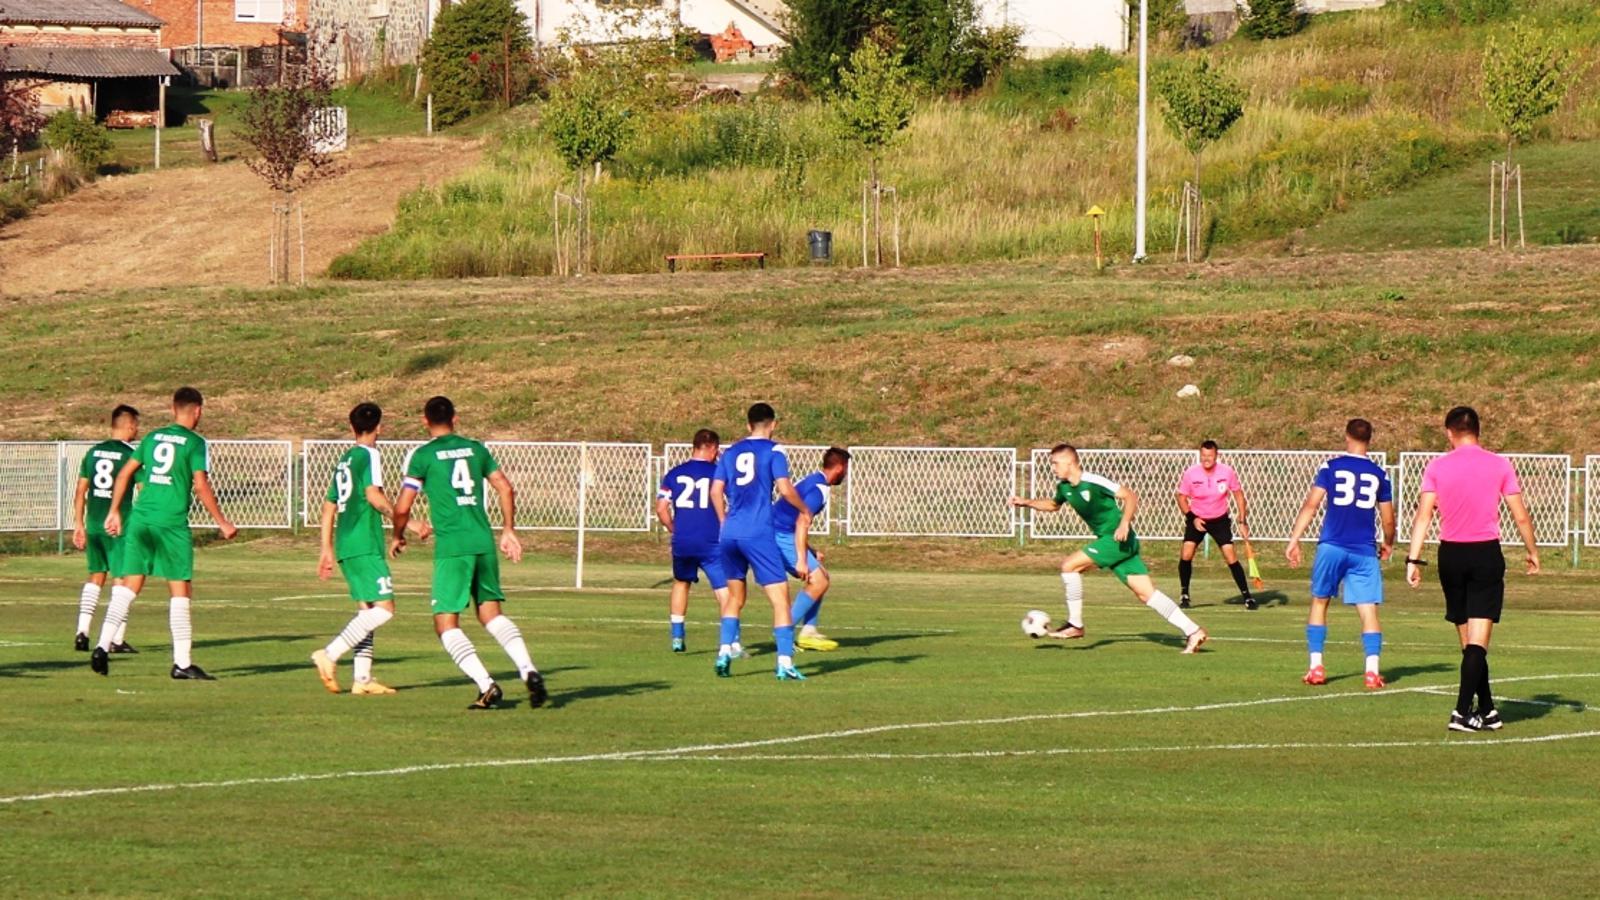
[(695, 750), (21, 644)]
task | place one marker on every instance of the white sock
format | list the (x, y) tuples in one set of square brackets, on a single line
[(87, 601), (1073, 583), (675, 619), (182, 632), (1166, 609), (808, 629), (459, 646), (122, 633), (735, 649), (363, 657), (725, 650), (357, 631), (1372, 664), (785, 662), (505, 631), (116, 615), (1316, 660)]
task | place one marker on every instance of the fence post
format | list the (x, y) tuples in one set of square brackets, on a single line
[(61, 481), (583, 507)]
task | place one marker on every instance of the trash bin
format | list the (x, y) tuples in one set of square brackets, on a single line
[(821, 245)]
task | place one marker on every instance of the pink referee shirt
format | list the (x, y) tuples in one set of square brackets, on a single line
[(1208, 491), (1469, 482)]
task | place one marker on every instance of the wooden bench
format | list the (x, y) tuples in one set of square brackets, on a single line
[(674, 258)]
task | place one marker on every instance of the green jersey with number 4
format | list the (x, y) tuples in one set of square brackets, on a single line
[(168, 458), (450, 471), (1095, 500), (100, 466), (358, 530)]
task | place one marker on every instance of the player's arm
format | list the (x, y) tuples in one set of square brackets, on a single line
[(208, 499), (1386, 519), (1183, 503), (1130, 505), (787, 492), (1041, 504), (402, 513), (719, 498), (664, 509), (120, 489), (1524, 522), (80, 498), (380, 502), (1244, 510), (330, 512), (1419, 533), (510, 545), (1302, 521), (802, 533)]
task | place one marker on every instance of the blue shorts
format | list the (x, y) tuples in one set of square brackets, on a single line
[(786, 546), (741, 554), (1358, 570), (684, 568)]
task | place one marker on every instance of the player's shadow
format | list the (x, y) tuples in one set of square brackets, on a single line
[(459, 680), (1265, 598), (1398, 673), (296, 666), (841, 664), (27, 669), (872, 640), (1537, 707), (1153, 637), (253, 639), (562, 699)]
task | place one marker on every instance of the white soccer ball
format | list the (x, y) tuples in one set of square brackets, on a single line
[(1036, 623)]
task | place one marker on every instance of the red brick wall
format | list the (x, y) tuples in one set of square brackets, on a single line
[(49, 36), (220, 28)]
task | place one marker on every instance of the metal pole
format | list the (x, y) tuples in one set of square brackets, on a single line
[(583, 506), (1142, 149)]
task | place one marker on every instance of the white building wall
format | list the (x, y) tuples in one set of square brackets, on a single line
[(712, 16), (590, 22), (1052, 25)]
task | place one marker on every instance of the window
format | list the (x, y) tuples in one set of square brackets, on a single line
[(270, 11)]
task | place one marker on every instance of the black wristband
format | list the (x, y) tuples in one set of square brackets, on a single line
[(1416, 562)]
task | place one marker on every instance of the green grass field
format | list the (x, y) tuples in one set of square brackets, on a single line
[(937, 752)]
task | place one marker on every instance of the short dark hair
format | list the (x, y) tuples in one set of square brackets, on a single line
[(705, 437), (364, 418), (761, 413), (1359, 429), (834, 456), (1462, 420), (439, 411), (1209, 444), (185, 397), (1064, 448), (122, 411)]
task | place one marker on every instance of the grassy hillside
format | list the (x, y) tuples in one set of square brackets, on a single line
[(1358, 106), (1286, 349)]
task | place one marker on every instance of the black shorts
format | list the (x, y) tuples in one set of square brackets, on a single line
[(1473, 575), (1220, 529)]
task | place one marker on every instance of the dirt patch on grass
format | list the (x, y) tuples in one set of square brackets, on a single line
[(207, 225)]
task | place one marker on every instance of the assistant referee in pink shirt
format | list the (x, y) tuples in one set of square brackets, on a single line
[(1466, 485), (1203, 493)]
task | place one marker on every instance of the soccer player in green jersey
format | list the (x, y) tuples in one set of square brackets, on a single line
[(170, 463), (352, 535), (97, 475), (452, 470), (1107, 509)]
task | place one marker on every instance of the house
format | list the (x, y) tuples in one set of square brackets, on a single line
[(94, 56), (1050, 26), (759, 21), (229, 42), (354, 37)]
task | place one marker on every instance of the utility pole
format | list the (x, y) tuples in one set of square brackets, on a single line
[(1141, 190)]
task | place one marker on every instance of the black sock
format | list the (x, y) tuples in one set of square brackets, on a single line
[(1485, 699), (1474, 673), (1238, 578), (1185, 572)]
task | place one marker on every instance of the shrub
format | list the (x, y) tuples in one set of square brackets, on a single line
[(1268, 19), (86, 140), (479, 54), (1055, 79), (941, 42), (1458, 12)]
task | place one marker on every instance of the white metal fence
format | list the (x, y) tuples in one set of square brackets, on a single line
[(891, 492)]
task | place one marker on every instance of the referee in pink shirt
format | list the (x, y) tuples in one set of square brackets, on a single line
[(1203, 494), (1466, 485)]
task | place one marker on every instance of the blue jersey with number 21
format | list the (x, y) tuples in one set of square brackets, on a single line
[(687, 487), (750, 468), (1355, 486)]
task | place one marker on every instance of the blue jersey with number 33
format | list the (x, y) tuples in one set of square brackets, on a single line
[(750, 468), (1355, 486), (694, 523)]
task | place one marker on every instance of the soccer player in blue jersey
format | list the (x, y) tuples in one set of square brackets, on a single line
[(683, 504), (741, 492), (794, 527), (1348, 553)]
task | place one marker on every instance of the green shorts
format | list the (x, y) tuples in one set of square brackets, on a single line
[(165, 551), (1120, 559), (368, 577), (462, 580), (103, 552)]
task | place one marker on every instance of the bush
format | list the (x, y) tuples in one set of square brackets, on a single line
[(1269, 19), (1055, 79), (1458, 12), (477, 49), (86, 140), (941, 42)]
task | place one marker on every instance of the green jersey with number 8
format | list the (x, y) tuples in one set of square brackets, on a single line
[(100, 466), (168, 458), (450, 471), (359, 528)]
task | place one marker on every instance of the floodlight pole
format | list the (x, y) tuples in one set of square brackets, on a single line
[(1141, 190)]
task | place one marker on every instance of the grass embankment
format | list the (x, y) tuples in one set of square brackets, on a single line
[(1359, 105), (1286, 350)]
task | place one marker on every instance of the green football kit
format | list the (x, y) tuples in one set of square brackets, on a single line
[(100, 466), (1094, 499), (450, 472), (157, 538), (358, 529)]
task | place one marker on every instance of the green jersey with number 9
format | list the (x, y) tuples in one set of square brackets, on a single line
[(359, 528), (450, 471), (100, 466), (168, 458)]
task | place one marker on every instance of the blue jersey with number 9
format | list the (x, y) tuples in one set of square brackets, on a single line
[(749, 469), (1355, 486)]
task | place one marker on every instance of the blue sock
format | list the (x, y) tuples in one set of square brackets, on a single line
[(678, 631), (730, 629), (785, 637), (802, 608), (811, 617), (1316, 637), (1372, 642)]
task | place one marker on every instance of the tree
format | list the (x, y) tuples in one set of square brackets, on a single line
[(1268, 19), (290, 144), (1525, 78), (479, 54), (80, 137), (1199, 104), (873, 108), (19, 107), (942, 43)]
